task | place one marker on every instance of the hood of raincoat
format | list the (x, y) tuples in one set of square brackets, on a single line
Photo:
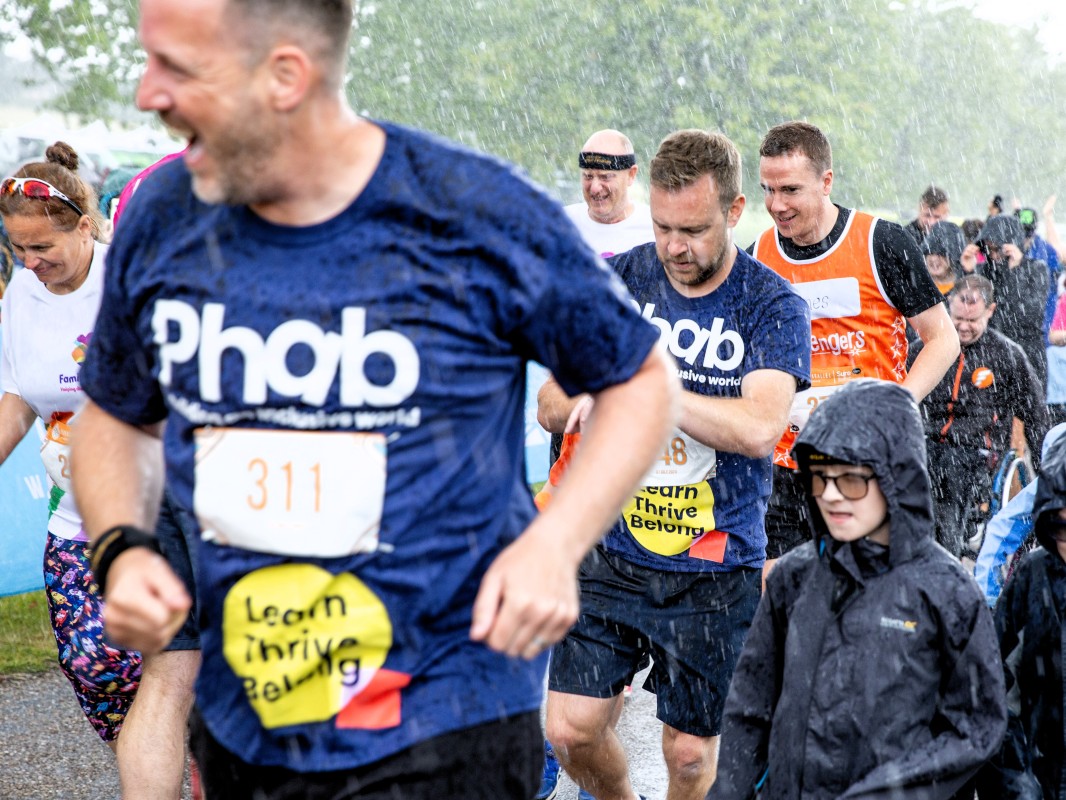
[(876, 424), (1000, 230), (1050, 491), (945, 239)]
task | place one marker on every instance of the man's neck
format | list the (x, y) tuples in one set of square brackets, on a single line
[(621, 218), (827, 219), (324, 167)]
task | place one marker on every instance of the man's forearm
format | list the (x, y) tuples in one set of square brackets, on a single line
[(750, 424), (554, 406), (930, 367), (117, 472), (629, 425)]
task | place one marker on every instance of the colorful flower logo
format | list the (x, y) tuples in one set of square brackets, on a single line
[(80, 349)]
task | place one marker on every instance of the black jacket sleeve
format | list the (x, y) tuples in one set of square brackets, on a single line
[(1032, 410), (1009, 775), (901, 267)]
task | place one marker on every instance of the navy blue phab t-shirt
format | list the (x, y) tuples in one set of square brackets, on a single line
[(344, 408), (702, 510)]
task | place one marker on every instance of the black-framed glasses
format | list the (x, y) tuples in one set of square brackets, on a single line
[(35, 187), (851, 485)]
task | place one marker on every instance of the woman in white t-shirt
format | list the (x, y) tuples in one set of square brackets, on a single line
[(49, 311)]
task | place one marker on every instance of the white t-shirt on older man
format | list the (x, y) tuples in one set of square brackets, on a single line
[(610, 239)]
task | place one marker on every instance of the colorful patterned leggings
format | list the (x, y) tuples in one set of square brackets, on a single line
[(104, 678)]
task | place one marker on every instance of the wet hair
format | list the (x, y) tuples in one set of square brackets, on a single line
[(970, 229), (322, 28), (933, 196), (802, 138), (969, 287), (61, 170), (686, 156)]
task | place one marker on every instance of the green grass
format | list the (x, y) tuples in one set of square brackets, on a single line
[(26, 641)]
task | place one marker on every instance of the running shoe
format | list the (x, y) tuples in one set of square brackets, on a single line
[(549, 782)]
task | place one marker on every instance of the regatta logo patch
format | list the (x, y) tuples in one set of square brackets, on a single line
[(904, 625), (983, 378)]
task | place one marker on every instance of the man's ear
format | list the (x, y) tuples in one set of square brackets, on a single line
[(291, 75)]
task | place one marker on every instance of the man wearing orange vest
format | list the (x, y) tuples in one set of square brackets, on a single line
[(864, 280)]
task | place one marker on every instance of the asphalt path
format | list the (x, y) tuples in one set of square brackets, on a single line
[(48, 751)]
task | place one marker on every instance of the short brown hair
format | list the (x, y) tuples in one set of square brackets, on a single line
[(934, 196), (798, 137), (686, 156), (322, 26), (970, 287)]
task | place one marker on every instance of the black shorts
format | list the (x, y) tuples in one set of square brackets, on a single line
[(500, 760), (178, 536), (786, 521), (691, 624)]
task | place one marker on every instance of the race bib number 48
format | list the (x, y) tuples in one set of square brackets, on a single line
[(290, 492)]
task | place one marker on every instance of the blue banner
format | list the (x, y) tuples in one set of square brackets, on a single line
[(538, 440), (24, 522)]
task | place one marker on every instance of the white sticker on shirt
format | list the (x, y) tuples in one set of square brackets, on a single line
[(683, 463), (804, 403), (831, 298), (295, 493)]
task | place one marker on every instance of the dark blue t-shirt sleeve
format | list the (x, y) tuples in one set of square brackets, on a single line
[(118, 373), (780, 336), (560, 303)]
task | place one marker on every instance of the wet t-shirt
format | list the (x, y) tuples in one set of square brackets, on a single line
[(702, 510), (344, 418)]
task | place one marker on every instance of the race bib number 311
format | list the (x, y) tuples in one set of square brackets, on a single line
[(292, 493)]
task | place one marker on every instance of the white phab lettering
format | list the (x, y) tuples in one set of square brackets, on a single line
[(708, 341), (205, 337)]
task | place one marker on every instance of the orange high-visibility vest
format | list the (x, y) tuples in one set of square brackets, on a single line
[(856, 332)]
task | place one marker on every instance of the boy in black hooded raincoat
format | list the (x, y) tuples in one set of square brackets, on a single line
[(1030, 618), (871, 668)]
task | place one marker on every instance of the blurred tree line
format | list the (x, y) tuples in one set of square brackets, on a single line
[(909, 91)]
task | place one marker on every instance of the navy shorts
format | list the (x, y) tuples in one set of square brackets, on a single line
[(692, 624), (179, 538), (499, 759)]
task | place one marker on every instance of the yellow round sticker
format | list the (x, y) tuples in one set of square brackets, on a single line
[(667, 519), (303, 641)]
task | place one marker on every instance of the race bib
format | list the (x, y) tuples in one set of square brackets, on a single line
[(293, 493), (804, 403), (684, 462), (55, 449)]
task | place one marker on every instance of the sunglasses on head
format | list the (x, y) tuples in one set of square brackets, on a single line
[(852, 486), (35, 187)]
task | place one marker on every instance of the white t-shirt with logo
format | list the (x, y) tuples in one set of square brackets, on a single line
[(609, 239), (45, 339)]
